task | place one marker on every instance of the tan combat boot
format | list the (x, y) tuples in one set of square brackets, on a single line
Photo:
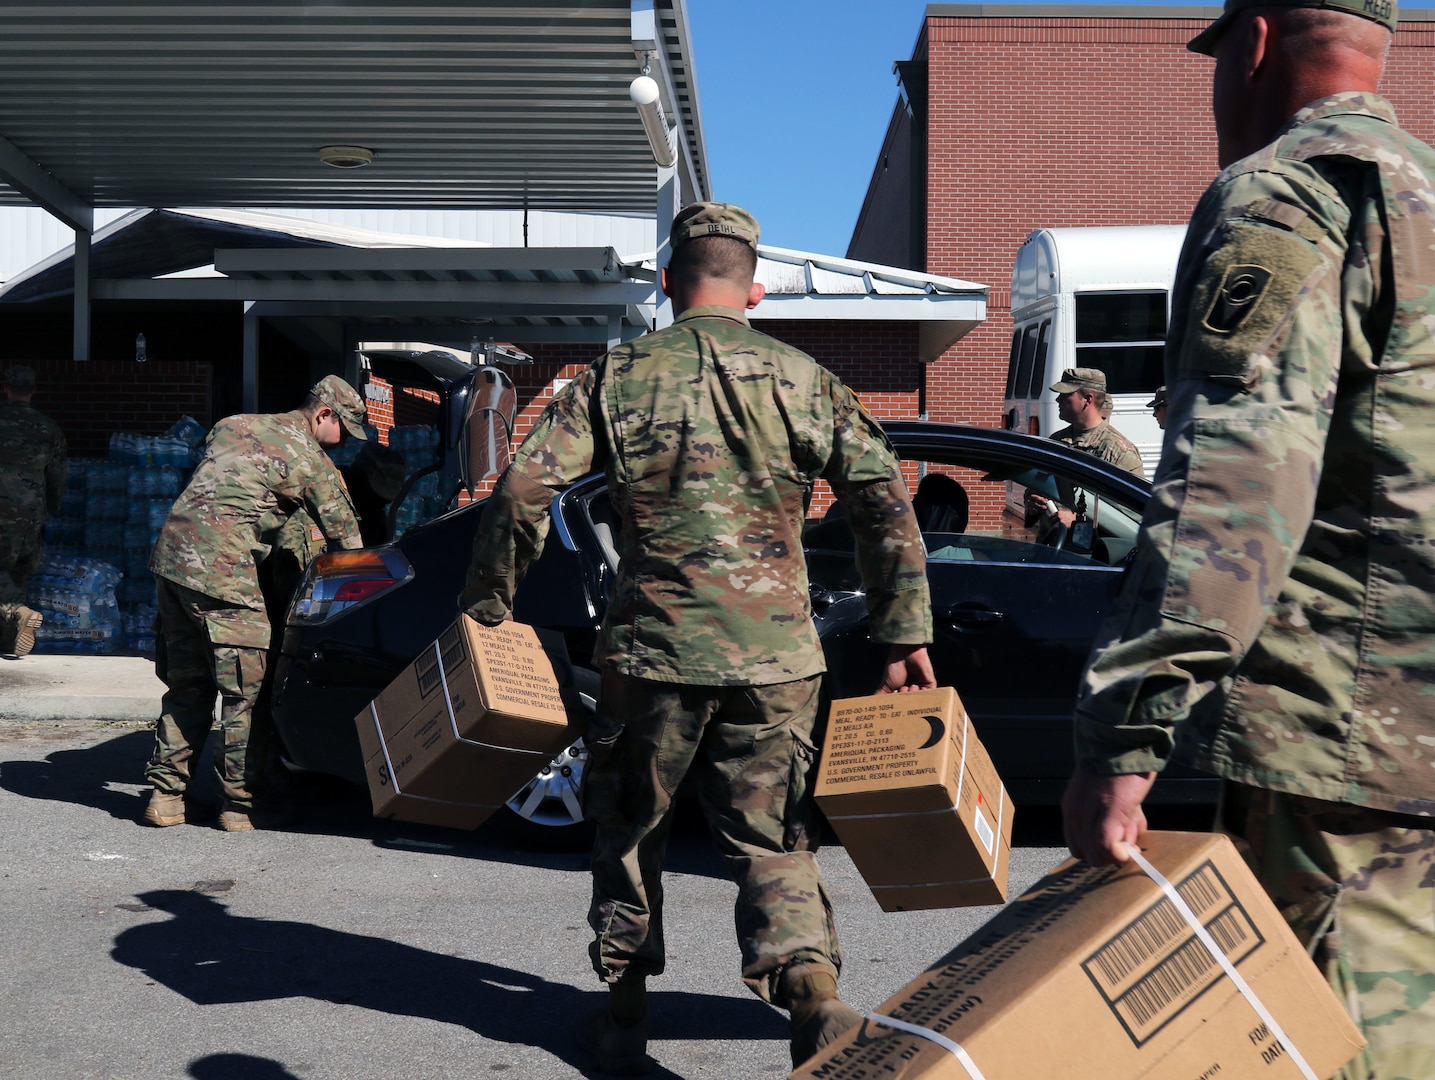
[(818, 1015), (27, 621), (617, 1034), (164, 810)]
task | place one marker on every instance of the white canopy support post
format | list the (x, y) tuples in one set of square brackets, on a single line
[(667, 209)]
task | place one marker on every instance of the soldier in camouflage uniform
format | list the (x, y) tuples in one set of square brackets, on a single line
[(1159, 406), (1082, 401), (373, 479), (712, 435), (32, 483), (1278, 626), (257, 470)]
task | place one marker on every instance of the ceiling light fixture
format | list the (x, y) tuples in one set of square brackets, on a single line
[(346, 157)]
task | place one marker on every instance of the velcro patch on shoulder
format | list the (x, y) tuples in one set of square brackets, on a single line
[(1243, 303), (1288, 216)]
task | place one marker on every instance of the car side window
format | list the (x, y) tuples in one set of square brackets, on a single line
[(1017, 533)]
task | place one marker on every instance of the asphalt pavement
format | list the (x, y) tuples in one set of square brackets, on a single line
[(346, 948)]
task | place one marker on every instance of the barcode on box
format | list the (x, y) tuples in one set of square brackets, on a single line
[(1155, 966)]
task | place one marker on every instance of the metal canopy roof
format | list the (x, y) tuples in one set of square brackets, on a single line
[(464, 103), (288, 267), (804, 286)]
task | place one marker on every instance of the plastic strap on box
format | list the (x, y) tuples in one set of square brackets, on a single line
[(383, 744), (453, 720), (952, 1047), (1219, 955), (393, 776), (962, 768)]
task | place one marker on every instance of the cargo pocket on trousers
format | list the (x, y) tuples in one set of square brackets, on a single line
[(242, 628), (800, 820)]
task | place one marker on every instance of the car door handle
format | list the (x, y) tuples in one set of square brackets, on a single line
[(965, 616)]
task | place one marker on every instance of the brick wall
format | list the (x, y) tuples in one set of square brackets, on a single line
[(92, 400), (1050, 121)]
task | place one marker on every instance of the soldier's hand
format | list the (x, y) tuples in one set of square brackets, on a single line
[(1101, 814), (489, 614), (908, 668)]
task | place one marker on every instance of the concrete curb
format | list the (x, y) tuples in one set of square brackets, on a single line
[(63, 687)]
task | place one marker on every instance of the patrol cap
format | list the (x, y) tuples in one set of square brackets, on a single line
[(1159, 400), (713, 219), (1381, 11), (348, 406), (1080, 378), (20, 377)]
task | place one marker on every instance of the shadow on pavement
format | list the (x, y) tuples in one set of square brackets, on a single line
[(211, 957), (90, 776), (83, 776), (238, 1067)]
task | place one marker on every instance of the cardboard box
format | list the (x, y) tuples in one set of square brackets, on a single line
[(913, 796), (467, 724), (1097, 975)]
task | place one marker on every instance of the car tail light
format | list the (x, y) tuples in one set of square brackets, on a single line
[(343, 580)]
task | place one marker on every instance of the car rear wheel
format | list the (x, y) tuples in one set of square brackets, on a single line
[(548, 811)]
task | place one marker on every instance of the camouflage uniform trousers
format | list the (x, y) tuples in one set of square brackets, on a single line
[(206, 647), (1358, 887), (751, 752)]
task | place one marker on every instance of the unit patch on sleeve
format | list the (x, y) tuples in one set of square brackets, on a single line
[(1239, 294)]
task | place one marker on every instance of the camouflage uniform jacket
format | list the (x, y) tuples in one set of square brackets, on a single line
[(32, 466), (1105, 442), (1278, 625), (712, 435), (256, 471)]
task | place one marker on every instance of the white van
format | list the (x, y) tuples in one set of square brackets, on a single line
[(1099, 298)]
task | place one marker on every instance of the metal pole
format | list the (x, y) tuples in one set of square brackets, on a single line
[(81, 348)]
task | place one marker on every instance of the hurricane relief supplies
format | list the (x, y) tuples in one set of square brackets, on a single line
[(1181, 968), (464, 727), (914, 798)]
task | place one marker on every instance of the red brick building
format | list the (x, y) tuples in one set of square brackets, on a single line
[(1017, 118)]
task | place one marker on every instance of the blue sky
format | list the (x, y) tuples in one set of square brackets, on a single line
[(796, 96)]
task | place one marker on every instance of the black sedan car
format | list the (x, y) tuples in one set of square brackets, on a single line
[(1017, 603)]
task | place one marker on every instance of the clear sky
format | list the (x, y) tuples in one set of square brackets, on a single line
[(796, 96)]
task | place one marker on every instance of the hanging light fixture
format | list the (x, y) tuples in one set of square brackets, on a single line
[(645, 95)]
